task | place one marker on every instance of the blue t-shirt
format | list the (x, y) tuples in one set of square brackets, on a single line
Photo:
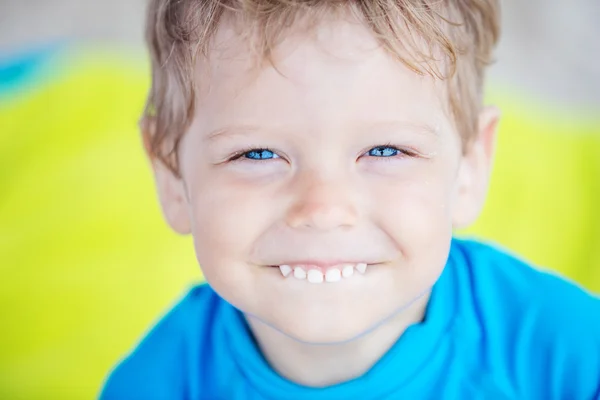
[(494, 328)]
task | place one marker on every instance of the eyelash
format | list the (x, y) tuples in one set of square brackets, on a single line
[(403, 152)]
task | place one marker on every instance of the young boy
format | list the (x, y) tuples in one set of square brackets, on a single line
[(321, 153)]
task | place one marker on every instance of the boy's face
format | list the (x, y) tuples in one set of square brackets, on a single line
[(339, 155)]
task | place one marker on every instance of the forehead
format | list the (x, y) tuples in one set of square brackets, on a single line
[(332, 74)]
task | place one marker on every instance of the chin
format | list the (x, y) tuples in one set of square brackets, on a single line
[(320, 335), (326, 327)]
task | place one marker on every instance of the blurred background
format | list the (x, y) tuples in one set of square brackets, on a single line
[(87, 262)]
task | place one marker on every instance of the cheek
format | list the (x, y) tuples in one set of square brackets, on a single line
[(416, 213), (227, 220)]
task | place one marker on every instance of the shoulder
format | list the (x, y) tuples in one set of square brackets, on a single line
[(159, 365), (547, 326), (496, 274)]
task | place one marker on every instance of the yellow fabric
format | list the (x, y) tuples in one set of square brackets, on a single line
[(88, 263)]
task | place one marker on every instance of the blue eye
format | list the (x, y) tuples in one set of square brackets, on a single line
[(383, 151), (260, 154)]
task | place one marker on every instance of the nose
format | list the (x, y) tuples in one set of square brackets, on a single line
[(322, 204)]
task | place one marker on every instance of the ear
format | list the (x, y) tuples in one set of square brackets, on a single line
[(475, 169), (170, 188)]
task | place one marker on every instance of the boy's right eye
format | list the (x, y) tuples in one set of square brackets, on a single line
[(255, 155)]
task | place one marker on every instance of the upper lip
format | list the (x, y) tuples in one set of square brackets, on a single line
[(323, 263)]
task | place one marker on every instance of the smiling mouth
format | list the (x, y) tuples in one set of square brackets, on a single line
[(316, 274)]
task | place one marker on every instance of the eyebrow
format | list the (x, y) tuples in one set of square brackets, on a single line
[(232, 130), (417, 127)]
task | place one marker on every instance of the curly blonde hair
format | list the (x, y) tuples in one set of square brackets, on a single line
[(459, 35)]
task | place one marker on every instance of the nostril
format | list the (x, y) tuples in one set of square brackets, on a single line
[(322, 216)]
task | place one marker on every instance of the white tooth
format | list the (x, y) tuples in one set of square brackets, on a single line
[(315, 276), (348, 271), (361, 267), (333, 275), (285, 270), (299, 273)]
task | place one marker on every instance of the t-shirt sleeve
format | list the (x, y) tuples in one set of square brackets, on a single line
[(150, 372), (569, 343), (542, 332), (164, 362)]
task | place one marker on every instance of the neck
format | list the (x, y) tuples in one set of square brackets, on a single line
[(326, 365)]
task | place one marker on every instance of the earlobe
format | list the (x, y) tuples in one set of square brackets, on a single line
[(173, 198), (475, 169), (170, 188)]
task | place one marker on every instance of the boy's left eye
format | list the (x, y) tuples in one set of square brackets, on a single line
[(383, 151), (390, 151), (260, 154)]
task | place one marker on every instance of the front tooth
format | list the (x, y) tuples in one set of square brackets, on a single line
[(361, 267), (299, 273), (285, 270), (333, 275), (315, 276), (348, 271)]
